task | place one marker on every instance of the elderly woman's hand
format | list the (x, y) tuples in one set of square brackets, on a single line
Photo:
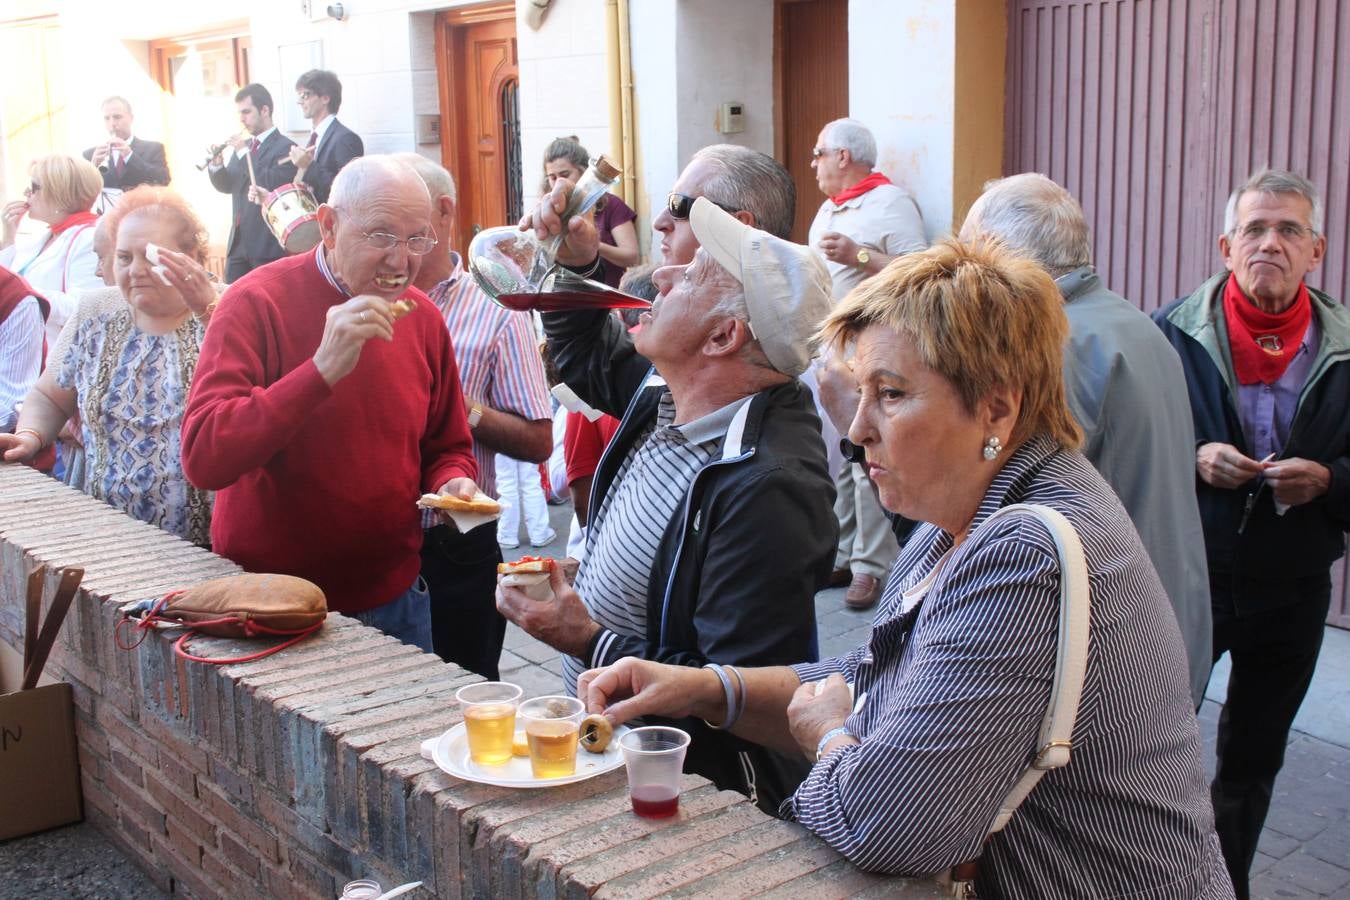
[(816, 708), (635, 687), (20, 447), (191, 280)]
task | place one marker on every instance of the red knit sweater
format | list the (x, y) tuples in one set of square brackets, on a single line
[(317, 482)]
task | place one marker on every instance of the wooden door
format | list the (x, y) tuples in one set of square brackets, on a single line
[(479, 77), (811, 85)]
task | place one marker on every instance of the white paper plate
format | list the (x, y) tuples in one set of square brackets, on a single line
[(450, 752)]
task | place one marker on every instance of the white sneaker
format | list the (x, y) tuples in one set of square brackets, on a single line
[(552, 536), (509, 545)]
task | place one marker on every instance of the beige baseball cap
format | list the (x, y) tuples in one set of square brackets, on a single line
[(787, 288)]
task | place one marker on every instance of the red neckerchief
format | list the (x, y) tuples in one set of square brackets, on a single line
[(876, 179), (73, 220), (1263, 344)]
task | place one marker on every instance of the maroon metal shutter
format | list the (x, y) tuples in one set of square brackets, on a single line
[(1152, 111)]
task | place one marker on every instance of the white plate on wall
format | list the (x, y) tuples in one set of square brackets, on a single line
[(450, 752)]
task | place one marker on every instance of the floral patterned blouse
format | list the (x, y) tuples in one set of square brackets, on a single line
[(132, 388)]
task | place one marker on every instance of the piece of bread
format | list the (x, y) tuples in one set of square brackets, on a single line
[(400, 308), (466, 514), (481, 503), (527, 564), (531, 575)]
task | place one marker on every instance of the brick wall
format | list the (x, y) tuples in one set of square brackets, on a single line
[(291, 775)]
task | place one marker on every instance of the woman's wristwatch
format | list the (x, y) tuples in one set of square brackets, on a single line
[(829, 736)]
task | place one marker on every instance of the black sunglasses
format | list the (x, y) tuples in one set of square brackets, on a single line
[(679, 205)]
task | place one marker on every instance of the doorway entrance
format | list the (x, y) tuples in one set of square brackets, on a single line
[(810, 67), (479, 78)]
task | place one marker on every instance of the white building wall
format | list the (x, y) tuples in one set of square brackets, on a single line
[(564, 85), (902, 85)]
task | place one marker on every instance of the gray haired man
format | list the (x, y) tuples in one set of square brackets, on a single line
[(1125, 387), (863, 224), (1267, 362)]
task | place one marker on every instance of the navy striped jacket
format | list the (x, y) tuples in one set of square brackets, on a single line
[(955, 691)]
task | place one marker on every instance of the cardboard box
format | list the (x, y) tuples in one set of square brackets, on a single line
[(39, 769)]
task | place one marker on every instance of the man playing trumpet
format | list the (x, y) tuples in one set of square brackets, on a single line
[(258, 166), (125, 161)]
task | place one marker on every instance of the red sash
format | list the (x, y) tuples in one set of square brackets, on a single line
[(876, 179), (1263, 344)]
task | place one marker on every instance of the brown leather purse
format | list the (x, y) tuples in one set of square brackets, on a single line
[(237, 606)]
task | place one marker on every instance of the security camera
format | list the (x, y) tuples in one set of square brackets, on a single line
[(336, 11)]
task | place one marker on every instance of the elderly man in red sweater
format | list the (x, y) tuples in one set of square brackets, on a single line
[(319, 419)]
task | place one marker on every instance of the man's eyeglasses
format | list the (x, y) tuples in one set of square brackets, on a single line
[(1285, 231), (679, 205), (818, 152), (418, 245), (304, 95)]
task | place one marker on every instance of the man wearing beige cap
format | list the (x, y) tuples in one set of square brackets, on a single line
[(712, 521)]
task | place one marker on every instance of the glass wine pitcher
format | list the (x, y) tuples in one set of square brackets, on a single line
[(519, 271)]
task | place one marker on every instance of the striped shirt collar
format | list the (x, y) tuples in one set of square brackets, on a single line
[(440, 294), (328, 273), (715, 424)]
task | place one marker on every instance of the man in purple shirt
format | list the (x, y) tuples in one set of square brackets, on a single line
[(1267, 363)]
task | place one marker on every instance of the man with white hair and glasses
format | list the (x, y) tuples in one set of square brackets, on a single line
[(864, 223), (1267, 362), (1125, 387), (319, 415)]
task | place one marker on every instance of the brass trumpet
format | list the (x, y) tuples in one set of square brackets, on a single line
[(213, 151)]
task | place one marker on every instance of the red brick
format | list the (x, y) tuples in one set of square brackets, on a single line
[(841, 879), (696, 863), (187, 844), (128, 736), (184, 812), (242, 858), (178, 742), (239, 824), (174, 771), (133, 800), (126, 767), (671, 840), (306, 878)]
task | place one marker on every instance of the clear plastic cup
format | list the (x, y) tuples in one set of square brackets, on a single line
[(654, 757), (489, 720), (551, 728), (364, 889)]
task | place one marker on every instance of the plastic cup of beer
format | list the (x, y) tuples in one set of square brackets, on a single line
[(654, 757), (551, 728), (489, 720)]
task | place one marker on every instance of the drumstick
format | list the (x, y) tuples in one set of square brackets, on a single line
[(251, 180)]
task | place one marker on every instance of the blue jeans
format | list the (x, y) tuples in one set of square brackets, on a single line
[(406, 617)]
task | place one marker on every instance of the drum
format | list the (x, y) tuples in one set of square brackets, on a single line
[(292, 214)]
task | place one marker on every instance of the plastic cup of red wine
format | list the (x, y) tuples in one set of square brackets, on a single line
[(654, 757)]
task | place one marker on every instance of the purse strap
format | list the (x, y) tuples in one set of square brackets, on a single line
[(1054, 741), (1054, 744)]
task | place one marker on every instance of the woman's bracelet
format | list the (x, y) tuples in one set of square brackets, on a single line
[(42, 444), (829, 736), (733, 707)]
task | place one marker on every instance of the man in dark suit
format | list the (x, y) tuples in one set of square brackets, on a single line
[(125, 161), (252, 243), (331, 144)]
